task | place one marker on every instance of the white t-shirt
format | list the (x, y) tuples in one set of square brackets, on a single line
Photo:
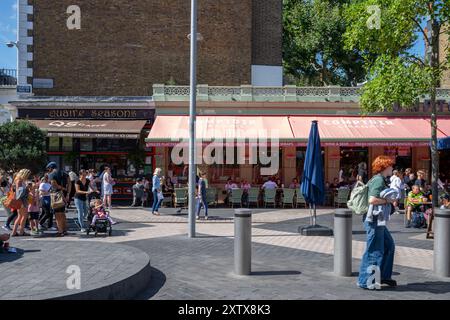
[(44, 188), (396, 183), (269, 185)]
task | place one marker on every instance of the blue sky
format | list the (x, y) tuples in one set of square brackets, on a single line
[(8, 32)]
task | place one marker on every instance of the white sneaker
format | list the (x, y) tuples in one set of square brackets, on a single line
[(52, 229), (83, 230)]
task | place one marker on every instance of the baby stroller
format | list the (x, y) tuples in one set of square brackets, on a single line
[(101, 225)]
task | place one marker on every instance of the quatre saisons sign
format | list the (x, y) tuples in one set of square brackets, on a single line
[(60, 114)]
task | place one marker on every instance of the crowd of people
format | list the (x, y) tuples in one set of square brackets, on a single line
[(36, 202)]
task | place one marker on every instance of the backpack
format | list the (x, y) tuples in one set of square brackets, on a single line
[(359, 199), (418, 220)]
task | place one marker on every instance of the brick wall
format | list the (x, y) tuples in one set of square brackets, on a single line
[(443, 43), (124, 47), (267, 32)]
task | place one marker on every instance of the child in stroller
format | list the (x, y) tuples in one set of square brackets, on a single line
[(99, 219)]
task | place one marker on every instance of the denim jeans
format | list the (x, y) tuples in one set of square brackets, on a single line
[(156, 202), (379, 252), (202, 201), (47, 212), (82, 210)]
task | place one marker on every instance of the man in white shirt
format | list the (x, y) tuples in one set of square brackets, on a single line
[(270, 184), (397, 184)]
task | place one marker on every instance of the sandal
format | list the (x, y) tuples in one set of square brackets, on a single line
[(58, 235), (14, 235), (24, 234)]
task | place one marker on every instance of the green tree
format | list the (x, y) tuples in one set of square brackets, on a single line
[(22, 145), (386, 31), (313, 48)]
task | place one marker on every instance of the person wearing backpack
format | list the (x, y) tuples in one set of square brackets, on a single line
[(380, 248)]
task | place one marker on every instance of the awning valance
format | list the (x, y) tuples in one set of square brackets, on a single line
[(365, 131), (294, 130), (170, 130), (91, 128)]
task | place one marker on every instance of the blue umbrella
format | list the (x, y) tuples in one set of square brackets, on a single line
[(443, 143), (313, 184)]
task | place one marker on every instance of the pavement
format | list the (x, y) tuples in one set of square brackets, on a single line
[(285, 265)]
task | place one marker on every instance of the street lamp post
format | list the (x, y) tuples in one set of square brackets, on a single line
[(192, 118)]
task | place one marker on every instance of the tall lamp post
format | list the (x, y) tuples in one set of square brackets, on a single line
[(192, 118)]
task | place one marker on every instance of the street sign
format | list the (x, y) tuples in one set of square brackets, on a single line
[(39, 83), (24, 89)]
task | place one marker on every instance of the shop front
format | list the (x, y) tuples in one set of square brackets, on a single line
[(93, 135), (346, 142)]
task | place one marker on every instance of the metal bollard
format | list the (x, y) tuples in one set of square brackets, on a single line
[(242, 241), (441, 226), (343, 242)]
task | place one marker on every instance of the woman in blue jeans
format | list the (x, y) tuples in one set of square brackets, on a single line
[(378, 259), (81, 193), (156, 188)]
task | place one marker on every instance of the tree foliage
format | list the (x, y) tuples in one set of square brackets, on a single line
[(22, 145), (313, 46), (395, 73)]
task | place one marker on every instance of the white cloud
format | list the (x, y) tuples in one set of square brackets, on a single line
[(14, 7)]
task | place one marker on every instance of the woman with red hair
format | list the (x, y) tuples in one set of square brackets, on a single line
[(379, 254)]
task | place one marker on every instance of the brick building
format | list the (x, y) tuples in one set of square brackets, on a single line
[(123, 47), (443, 51)]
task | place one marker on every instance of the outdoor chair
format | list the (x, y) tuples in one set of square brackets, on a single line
[(253, 196), (211, 196), (180, 197), (342, 197), (269, 197), (300, 200), (168, 199), (288, 197), (236, 197)]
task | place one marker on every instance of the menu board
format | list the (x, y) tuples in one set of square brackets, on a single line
[(115, 144)]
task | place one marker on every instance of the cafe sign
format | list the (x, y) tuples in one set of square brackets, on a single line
[(63, 114)]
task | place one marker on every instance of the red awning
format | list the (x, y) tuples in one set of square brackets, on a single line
[(124, 129), (443, 126), (170, 130), (294, 130), (365, 131)]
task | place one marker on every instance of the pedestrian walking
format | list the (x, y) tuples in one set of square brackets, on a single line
[(201, 196), (138, 193), (58, 203), (156, 189), (46, 209), (81, 201), (21, 192), (107, 187), (380, 247)]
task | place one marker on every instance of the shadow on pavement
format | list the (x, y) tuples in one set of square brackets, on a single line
[(275, 273), (10, 257), (436, 287), (157, 281)]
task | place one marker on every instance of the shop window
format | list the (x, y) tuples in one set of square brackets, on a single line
[(122, 145), (53, 144), (67, 144), (402, 156), (86, 145), (350, 158)]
